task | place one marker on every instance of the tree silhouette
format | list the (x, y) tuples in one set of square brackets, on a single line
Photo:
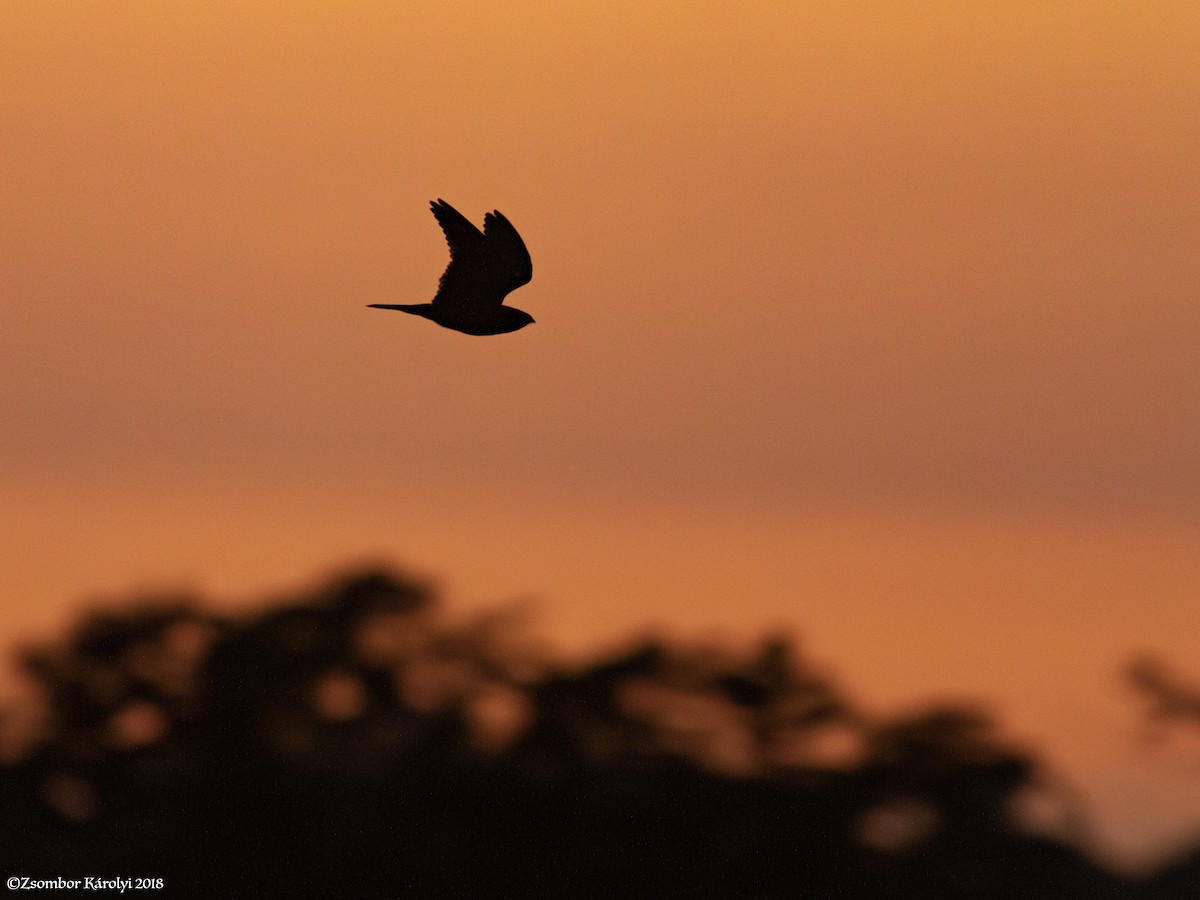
[(350, 742), (1171, 700)]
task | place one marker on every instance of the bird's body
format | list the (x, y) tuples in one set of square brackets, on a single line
[(485, 266)]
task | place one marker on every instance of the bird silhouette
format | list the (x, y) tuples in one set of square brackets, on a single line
[(485, 266)]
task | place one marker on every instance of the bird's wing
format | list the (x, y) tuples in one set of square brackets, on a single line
[(507, 254), (461, 235), (466, 279)]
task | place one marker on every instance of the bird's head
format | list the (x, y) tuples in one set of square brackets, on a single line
[(509, 319), (502, 322)]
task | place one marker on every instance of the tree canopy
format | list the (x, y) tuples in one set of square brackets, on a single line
[(348, 741)]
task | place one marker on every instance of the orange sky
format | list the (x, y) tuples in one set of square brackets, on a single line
[(877, 320)]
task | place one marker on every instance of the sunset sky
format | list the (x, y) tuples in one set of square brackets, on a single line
[(876, 321)]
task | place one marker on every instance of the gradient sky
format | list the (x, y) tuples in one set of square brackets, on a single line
[(874, 320)]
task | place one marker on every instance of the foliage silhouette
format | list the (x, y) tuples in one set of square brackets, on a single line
[(349, 742), (1171, 700)]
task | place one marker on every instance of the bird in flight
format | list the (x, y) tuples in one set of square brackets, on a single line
[(485, 266)]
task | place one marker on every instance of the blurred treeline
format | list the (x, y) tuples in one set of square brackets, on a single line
[(350, 742)]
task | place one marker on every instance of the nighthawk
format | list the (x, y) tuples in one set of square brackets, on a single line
[(485, 266)]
